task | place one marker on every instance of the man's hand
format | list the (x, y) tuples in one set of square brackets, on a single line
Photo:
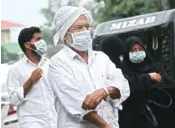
[(36, 75), (97, 120), (92, 100), (155, 76), (107, 126)]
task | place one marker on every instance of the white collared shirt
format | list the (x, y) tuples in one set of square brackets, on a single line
[(36, 109), (73, 79)]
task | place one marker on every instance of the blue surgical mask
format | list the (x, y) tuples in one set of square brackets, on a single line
[(81, 40), (137, 57), (41, 47)]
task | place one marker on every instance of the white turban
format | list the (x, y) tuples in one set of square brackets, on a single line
[(65, 17)]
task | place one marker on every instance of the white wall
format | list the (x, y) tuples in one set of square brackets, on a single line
[(14, 32)]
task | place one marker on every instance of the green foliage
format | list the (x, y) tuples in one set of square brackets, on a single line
[(114, 9), (48, 36), (4, 57), (9, 54)]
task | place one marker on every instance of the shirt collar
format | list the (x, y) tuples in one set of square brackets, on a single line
[(43, 59), (72, 54)]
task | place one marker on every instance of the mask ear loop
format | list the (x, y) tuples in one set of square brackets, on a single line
[(36, 50), (68, 43), (31, 48)]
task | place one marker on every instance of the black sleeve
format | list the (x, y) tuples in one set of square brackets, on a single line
[(165, 77), (139, 82)]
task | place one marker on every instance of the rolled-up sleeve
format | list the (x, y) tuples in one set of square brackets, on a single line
[(117, 80), (66, 89), (15, 90)]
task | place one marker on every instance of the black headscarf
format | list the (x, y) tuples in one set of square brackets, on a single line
[(113, 47), (144, 67)]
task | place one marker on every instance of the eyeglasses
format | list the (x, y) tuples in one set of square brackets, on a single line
[(79, 28)]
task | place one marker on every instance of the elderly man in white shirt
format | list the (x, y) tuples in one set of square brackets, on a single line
[(28, 85), (88, 87)]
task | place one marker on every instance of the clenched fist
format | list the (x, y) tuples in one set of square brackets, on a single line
[(92, 100), (36, 75)]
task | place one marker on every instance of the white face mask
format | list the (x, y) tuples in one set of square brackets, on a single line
[(137, 57), (81, 40), (41, 47)]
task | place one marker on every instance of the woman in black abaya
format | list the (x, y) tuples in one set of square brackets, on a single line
[(141, 76)]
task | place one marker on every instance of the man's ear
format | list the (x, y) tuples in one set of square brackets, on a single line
[(67, 38), (66, 35), (64, 40), (27, 45)]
